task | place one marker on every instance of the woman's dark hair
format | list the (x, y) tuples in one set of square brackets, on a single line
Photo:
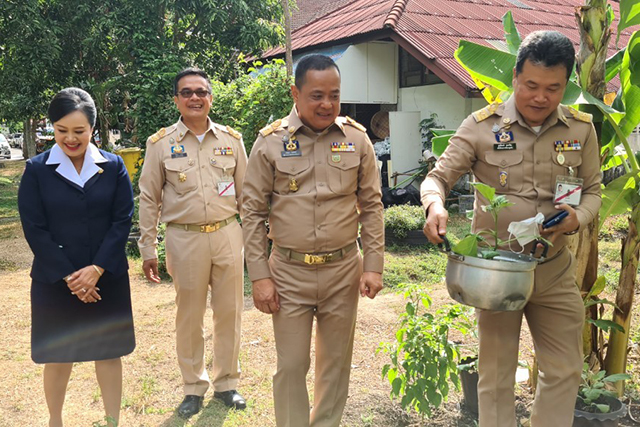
[(312, 62), (546, 48), (69, 100)]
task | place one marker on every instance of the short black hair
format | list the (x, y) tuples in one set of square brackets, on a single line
[(191, 71), (546, 48), (69, 100), (313, 62)]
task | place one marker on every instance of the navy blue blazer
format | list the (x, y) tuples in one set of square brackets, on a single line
[(69, 227)]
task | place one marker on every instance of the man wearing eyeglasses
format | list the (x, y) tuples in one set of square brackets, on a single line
[(192, 180)]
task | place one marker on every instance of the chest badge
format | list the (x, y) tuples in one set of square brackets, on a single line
[(503, 178), (291, 147), (343, 147), (223, 151), (504, 137), (177, 151), (335, 158), (293, 185), (561, 146)]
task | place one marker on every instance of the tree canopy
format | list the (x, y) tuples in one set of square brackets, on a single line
[(124, 52)]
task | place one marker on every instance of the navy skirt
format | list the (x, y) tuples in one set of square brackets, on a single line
[(64, 329)]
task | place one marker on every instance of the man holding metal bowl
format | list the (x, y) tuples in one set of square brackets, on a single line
[(527, 148)]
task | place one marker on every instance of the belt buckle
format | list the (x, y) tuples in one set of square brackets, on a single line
[(209, 228), (316, 259)]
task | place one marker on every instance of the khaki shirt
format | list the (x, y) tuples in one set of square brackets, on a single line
[(314, 201), (531, 168), (180, 179)]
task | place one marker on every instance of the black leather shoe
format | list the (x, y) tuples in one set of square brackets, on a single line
[(190, 406), (231, 398)]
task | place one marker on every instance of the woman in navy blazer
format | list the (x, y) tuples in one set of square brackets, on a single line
[(76, 204)]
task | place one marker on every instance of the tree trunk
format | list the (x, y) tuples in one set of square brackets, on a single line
[(287, 30), (616, 361), (590, 68), (584, 246), (29, 138)]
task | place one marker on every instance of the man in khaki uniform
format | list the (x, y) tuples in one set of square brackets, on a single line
[(313, 175), (192, 180), (523, 148)]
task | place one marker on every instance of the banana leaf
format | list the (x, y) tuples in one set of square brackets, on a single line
[(440, 141), (620, 196), (629, 15), (511, 34), (489, 65)]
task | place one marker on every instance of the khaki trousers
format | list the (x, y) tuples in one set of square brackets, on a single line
[(555, 315), (330, 293), (195, 262)]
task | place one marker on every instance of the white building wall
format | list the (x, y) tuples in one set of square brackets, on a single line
[(441, 99)]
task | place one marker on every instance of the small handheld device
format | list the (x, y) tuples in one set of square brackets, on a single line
[(556, 219)]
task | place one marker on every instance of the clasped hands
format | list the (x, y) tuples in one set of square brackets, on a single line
[(82, 283), (267, 300)]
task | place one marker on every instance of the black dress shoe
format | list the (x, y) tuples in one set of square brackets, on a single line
[(190, 406), (231, 398)]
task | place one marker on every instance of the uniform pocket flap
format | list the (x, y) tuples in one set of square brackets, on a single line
[(572, 159), (224, 163), (292, 166), (344, 162), (503, 159), (179, 166)]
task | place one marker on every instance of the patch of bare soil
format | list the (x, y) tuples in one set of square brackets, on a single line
[(152, 382)]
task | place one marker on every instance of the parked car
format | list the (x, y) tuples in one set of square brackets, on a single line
[(17, 140), (5, 150)]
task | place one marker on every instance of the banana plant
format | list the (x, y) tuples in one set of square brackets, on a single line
[(491, 69)]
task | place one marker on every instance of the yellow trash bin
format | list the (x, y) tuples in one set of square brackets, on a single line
[(131, 157)]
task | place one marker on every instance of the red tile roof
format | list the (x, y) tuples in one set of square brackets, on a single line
[(433, 28)]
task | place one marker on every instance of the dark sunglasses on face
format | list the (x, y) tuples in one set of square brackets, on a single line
[(188, 93)]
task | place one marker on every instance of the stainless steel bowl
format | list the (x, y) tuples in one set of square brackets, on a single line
[(504, 283)]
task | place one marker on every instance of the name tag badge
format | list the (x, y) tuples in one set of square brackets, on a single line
[(568, 190), (226, 188), (504, 147)]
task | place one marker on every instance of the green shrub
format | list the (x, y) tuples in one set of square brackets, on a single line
[(403, 218), (423, 359), (253, 100)]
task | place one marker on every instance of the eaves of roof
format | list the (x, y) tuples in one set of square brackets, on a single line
[(432, 29)]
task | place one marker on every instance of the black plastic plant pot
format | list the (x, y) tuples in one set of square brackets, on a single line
[(610, 419), (469, 382)]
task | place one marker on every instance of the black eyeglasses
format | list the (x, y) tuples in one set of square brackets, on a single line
[(188, 93)]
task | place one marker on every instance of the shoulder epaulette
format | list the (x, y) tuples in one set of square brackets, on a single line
[(156, 136), (355, 124), (486, 112), (234, 133), (269, 129), (162, 133), (580, 115)]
